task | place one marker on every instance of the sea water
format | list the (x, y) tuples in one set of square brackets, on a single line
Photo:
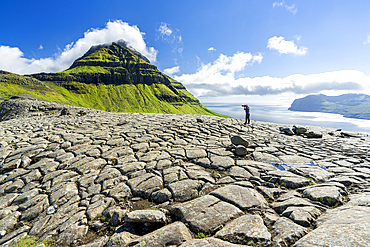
[(280, 114)]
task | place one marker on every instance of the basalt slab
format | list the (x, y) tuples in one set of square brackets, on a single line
[(206, 214), (244, 230), (247, 199), (343, 226), (171, 235)]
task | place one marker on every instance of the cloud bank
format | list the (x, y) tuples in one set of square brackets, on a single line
[(285, 47), (219, 79), (12, 58)]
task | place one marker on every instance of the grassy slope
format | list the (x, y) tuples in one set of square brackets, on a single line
[(128, 98), (12, 84)]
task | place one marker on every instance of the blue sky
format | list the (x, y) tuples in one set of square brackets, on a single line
[(217, 49)]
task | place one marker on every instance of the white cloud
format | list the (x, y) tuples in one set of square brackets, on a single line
[(277, 4), (41, 47), (211, 78), (12, 58), (171, 71), (285, 47), (211, 49), (209, 81), (290, 8), (171, 36), (164, 29)]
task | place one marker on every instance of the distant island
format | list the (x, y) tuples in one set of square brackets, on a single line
[(348, 105)]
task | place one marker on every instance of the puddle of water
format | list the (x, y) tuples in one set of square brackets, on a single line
[(285, 167)]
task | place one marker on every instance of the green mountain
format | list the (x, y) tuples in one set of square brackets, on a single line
[(108, 77), (348, 105)]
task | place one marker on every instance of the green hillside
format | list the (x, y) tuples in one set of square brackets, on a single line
[(112, 78), (13, 84), (348, 105)]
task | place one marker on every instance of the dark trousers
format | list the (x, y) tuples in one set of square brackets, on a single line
[(247, 118)]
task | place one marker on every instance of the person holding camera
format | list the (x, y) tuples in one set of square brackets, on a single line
[(247, 114)]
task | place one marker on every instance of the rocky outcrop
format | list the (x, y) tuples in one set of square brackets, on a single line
[(120, 179)]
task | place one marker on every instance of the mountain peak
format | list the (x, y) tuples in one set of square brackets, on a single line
[(111, 46)]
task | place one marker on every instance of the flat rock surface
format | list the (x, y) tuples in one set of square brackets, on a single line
[(206, 214), (111, 179), (245, 229), (242, 197)]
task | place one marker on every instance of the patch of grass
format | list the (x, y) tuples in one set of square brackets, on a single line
[(103, 218), (201, 235), (268, 200), (30, 241)]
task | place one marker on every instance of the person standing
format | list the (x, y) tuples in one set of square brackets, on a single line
[(247, 114)]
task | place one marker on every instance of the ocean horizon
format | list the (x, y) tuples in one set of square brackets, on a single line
[(281, 115)]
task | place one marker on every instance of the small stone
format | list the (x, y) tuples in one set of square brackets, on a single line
[(238, 140), (50, 210), (241, 150), (65, 112)]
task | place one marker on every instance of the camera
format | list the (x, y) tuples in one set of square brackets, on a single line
[(244, 105)]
